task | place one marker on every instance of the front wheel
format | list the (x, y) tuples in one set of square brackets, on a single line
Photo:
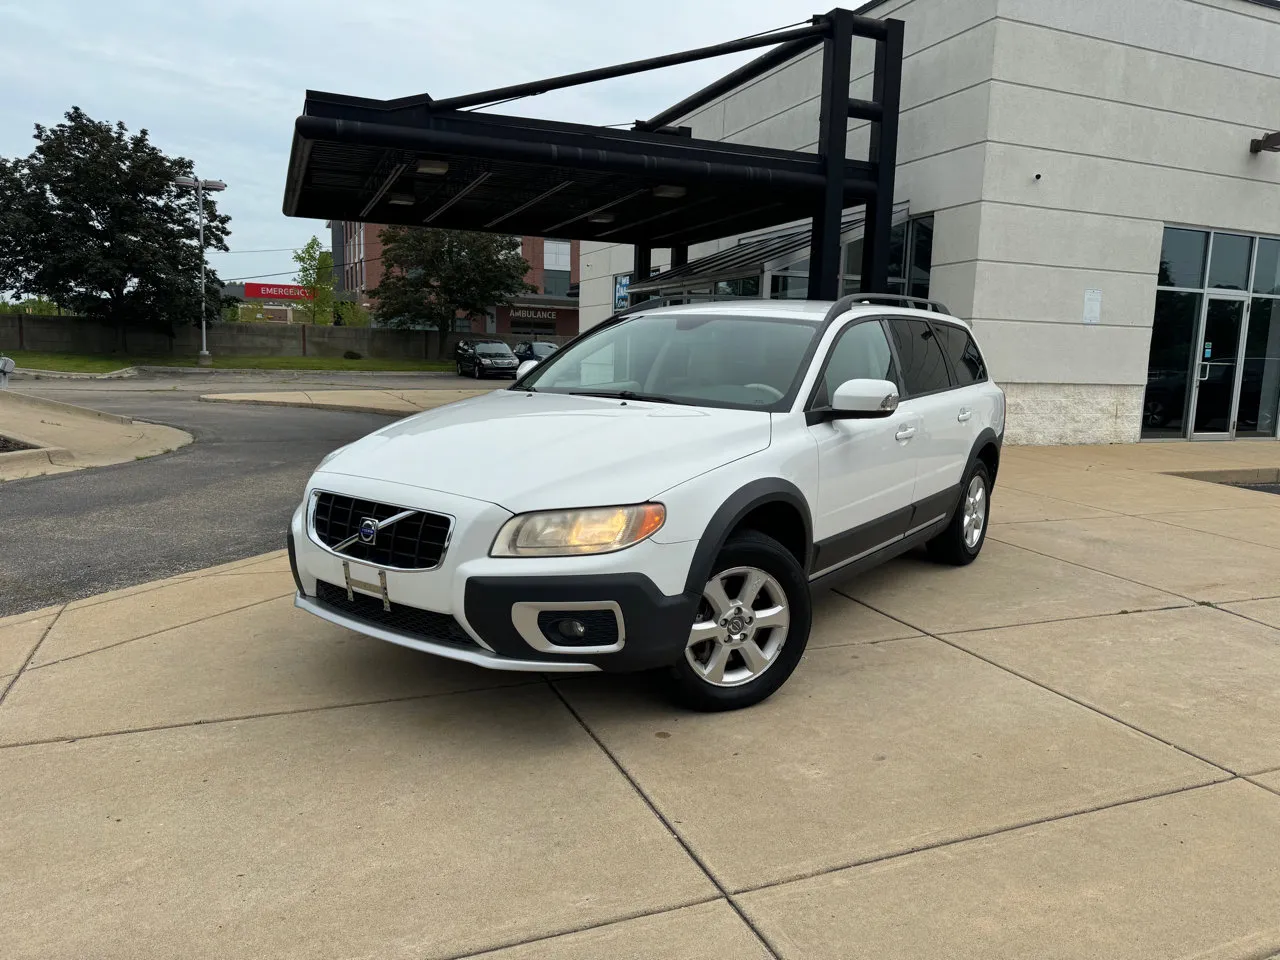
[(750, 629), (962, 541)]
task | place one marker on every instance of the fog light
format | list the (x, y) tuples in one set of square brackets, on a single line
[(572, 629)]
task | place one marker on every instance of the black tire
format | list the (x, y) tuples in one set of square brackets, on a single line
[(475, 369), (951, 546), (749, 548), (459, 366)]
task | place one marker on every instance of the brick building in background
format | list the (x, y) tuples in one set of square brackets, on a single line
[(553, 269)]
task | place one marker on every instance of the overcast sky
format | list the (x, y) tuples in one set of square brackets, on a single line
[(222, 82)]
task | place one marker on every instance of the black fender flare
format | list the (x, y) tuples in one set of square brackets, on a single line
[(741, 502), (987, 437)]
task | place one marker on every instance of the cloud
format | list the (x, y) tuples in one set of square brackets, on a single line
[(222, 82)]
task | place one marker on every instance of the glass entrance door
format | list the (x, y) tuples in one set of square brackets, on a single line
[(1218, 367)]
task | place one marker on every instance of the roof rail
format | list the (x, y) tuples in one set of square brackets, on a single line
[(886, 299), (679, 298)]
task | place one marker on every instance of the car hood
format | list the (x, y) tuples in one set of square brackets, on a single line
[(534, 451)]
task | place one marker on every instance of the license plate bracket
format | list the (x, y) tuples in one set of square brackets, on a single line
[(377, 589)]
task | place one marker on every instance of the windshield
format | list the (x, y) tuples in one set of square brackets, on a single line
[(749, 363), (501, 349)]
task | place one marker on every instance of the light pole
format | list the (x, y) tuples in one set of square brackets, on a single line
[(200, 186)]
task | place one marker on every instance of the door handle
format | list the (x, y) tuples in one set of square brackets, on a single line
[(964, 414), (905, 433), (1204, 371)]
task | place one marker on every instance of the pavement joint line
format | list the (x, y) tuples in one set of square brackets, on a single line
[(265, 715), (1104, 573), (1154, 518), (1037, 623), (176, 626), (666, 823), (93, 601), (984, 835), (1237, 613), (13, 680), (1065, 696), (1263, 786), (568, 932)]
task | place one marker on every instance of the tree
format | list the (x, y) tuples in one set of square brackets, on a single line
[(433, 276), (315, 272), (93, 221)]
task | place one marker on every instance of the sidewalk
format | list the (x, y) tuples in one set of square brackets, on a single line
[(1069, 749), (64, 437)]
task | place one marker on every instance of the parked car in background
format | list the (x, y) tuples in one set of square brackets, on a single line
[(698, 469), (482, 358), (537, 350)]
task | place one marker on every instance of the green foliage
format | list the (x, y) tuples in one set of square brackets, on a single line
[(433, 276), (92, 219), (350, 314), (315, 272), (35, 306)]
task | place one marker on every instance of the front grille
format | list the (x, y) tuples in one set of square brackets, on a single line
[(426, 624), (415, 543)]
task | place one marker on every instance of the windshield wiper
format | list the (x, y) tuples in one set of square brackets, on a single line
[(624, 395)]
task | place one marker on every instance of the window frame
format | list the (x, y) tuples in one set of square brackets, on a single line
[(810, 406)]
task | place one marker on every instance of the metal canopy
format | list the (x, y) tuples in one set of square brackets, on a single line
[(751, 257), (426, 162)]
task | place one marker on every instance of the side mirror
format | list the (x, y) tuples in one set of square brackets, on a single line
[(864, 399), (525, 368)]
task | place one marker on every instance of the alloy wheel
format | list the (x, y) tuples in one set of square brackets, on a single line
[(975, 511), (740, 627)]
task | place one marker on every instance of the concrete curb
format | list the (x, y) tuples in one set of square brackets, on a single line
[(43, 455), (57, 406), (1233, 475), (33, 373), (344, 407)]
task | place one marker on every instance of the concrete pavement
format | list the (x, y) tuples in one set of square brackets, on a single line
[(1069, 749), (65, 437)]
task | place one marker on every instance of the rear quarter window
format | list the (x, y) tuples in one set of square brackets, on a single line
[(966, 359)]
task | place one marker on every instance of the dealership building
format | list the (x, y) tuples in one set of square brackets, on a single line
[(1094, 185)]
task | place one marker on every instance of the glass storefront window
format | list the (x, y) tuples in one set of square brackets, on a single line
[(1173, 335), (1260, 378), (1266, 276), (1182, 258), (1229, 262)]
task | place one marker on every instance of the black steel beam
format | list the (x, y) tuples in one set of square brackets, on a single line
[(679, 255), (866, 110), (643, 266), (824, 241), (386, 185), (456, 197), (1271, 143), (625, 69), (689, 163), (884, 154), (529, 203), (747, 72)]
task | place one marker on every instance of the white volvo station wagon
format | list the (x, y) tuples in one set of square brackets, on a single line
[(663, 492)]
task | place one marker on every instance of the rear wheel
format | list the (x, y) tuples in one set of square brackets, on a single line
[(962, 541), (750, 629)]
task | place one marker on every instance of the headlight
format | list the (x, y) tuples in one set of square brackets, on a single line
[(485, 360), (563, 533)]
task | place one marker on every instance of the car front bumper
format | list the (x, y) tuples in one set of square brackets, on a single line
[(506, 610)]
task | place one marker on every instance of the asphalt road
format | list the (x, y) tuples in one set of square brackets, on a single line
[(226, 496)]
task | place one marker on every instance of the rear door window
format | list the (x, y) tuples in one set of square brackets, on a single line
[(966, 360), (924, 369)]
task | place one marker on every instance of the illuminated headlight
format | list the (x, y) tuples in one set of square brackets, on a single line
[(564, 533)]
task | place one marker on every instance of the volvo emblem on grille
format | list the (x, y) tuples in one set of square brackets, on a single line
[(368, 530)]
